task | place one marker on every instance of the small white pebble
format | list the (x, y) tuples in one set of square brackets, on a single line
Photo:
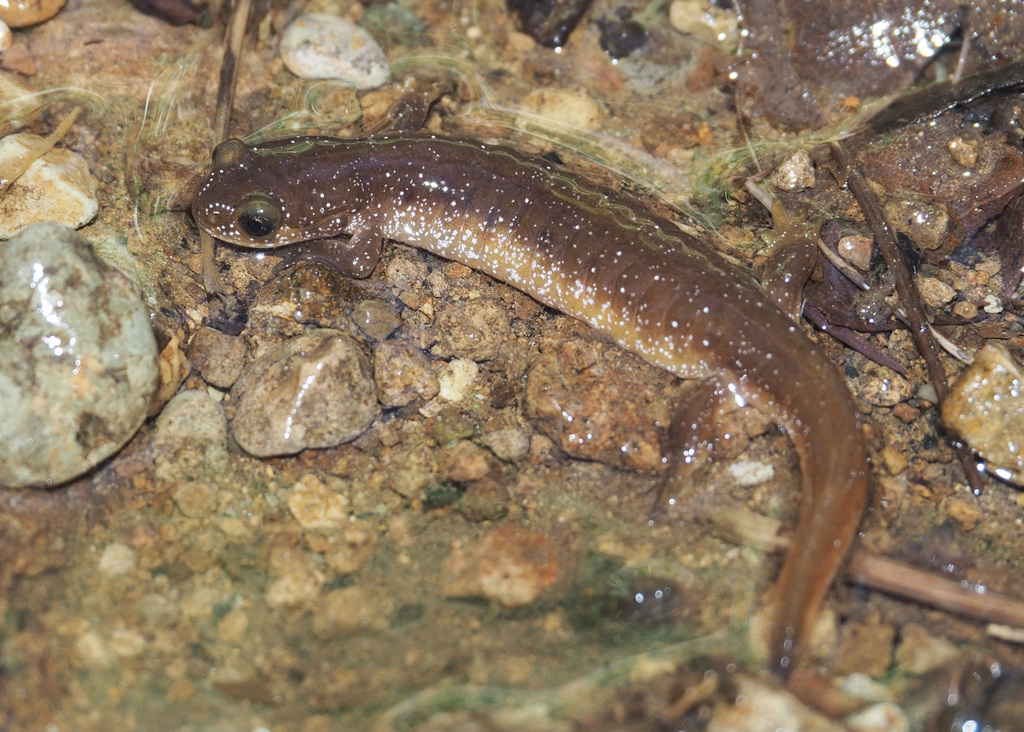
[(795, 173), (568, 107), (751, 473), (884, 717), (117, 559), (322, 46), (6, 39), (456, 379)]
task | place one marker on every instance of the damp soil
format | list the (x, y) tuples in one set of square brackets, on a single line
[(484, 554)]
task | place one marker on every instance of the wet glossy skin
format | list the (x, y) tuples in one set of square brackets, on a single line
[(588, 252)]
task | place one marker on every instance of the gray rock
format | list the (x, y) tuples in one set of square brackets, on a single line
[(78, 360), (190, 442), (509, 444), (313, 391)]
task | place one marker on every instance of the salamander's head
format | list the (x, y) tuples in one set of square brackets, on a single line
[(265, 196)]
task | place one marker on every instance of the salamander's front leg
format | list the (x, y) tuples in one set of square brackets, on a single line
[(354, 256), (691, 438)]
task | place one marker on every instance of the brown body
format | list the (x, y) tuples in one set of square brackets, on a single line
[(593, 254)]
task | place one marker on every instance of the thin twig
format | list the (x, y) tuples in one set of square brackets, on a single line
[(234, 38), (225, 102), (874, 571), (906, 581), (961, 59), (909, 295), (17, 167)]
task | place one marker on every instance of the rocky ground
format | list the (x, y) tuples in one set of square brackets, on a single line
[(453, 533)]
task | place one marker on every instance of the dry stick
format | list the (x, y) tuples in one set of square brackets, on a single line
[(225, 100), (876, 572), (904, 580), (229, 68), (905, 288), (17, 167)]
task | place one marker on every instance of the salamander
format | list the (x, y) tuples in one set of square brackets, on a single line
[(592, 253)]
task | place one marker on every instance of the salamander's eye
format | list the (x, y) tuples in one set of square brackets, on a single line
[(259, 217)]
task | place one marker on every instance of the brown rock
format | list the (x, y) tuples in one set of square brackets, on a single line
[(217, 356), (510, 566), (986, 408)]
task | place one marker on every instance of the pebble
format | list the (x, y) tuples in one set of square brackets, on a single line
[(78, 360), (706, 21), (297, 582), (881, 387), (217, 356), (510, 566), (857, 250), (569, 403), (464, 462), (316, 507), (893, 459), (375, 319), (308, 293), (456, 379), (966, 513), (409, 482), (884, 717), (174, 368), (351, 610), (323, 46), (195, 499), (748, 473), (575, 110), (966, 310), (934, 292), (510, 444), (761, 706), (821, 643), (22, 13), (127, 643), (345, 551), (985, 407), (795, 173), (232, 626), (863, 648), (57, 187), (925, 223), (478, 330), (964, 151), (313, 391), (403, 374), (159, 610), (919, 652), (19, 59), (117, 559), (92, 651), (190, 442)]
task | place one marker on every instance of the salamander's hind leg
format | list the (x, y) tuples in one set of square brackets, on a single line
[(690, 442), (353, 256)]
